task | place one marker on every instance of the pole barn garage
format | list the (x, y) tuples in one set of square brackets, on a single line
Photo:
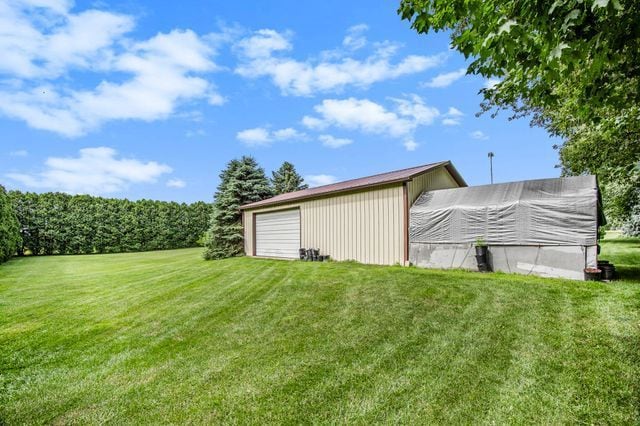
[(428, 217), (364, 219)]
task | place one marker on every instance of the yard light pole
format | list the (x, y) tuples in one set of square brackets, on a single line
[(491, 155)]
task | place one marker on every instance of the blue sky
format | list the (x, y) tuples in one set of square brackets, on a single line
[(152, 99)]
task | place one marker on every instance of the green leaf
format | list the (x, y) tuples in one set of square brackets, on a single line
[(554, 5), (506, 27), (599, 4), (557, 51)]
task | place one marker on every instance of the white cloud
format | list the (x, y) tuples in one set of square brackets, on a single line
[(479, 135), (260, 136), (414, 107), (254, 137), (410, 145), (319, 180), (313, 123), (19, 153), (259, 56), (453, 117), (355, 38), (216, 99), (288, 133), (43, 39), (44, 44), (333, 142), (454, 112), (446, 79), (367, 116), (370, 117), (94, 171), (359, 114), (176, 183), (263, 43)]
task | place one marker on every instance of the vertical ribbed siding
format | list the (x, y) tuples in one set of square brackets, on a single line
[(248, 232), (364, 226), (436, 179)]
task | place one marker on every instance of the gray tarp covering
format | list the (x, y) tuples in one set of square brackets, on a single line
[(562, 211)]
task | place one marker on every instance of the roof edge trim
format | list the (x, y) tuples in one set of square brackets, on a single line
[(443, 164)]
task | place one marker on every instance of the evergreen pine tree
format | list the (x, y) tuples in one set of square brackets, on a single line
[(242, 182), (9, 227), (286, 179)]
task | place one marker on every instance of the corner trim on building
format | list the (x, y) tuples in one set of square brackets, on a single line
[(405, 203), (253, 236)]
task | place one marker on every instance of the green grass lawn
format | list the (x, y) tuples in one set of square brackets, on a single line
[(165, 337)]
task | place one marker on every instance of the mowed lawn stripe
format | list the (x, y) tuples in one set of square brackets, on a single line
[(165, 337)]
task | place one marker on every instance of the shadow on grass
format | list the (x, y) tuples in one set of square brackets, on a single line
[(633, 242), (628, 272)]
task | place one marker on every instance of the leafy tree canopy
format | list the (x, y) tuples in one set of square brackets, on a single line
[(286, 179), (572, 65), (533, 45)]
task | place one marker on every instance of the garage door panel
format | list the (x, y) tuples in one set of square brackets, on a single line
[(283, 236), (275, 216), (278, 220), (276, 227), (287, 250), (278, 234), (276, 246)]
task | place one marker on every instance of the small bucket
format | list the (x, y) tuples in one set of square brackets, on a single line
[(608, 271), (592, 274)]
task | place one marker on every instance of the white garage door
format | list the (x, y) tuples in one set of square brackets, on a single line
[(278, 234)]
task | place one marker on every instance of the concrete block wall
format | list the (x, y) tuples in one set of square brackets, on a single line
[(546, 261)]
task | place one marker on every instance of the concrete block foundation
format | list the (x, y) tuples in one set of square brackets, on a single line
[(545, 261)]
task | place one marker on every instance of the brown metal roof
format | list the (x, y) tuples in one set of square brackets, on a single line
[(353, 184)]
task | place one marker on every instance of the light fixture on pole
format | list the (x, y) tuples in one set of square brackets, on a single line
[(491, 155)]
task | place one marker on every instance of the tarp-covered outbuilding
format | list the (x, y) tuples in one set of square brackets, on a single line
[(546, 227)]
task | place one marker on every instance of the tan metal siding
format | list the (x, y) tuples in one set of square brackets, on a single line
[(435, 179), (363, 226), (359, 226), (248, 231)]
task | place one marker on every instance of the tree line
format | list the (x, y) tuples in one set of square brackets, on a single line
[(9, 227), (58, 223)]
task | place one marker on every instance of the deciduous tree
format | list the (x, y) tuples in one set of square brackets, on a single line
[(572, 66)]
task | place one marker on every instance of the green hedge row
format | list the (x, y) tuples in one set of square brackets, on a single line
[(9, 227), (57, 223)]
